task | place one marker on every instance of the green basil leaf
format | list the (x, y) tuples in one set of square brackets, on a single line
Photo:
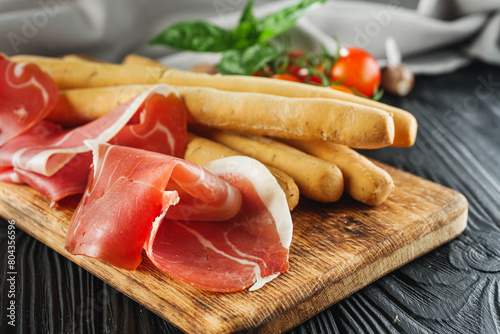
[(279, 22), (196, 36), (247, 14), (247, 61), (246, 33), (205, 37), (231, 63)]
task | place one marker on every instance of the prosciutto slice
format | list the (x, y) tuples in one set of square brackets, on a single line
[(26, 96), (55, 161), (224, 228), (9, 175)]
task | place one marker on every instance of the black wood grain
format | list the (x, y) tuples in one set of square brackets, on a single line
[(454, 289)]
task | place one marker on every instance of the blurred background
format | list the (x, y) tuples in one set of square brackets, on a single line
[(434, 36)]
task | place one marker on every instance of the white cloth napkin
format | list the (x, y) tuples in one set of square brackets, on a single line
[(434, 36)]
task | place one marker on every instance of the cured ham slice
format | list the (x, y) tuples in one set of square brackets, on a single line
[(247, 250), (222, 230), (26, 96), (55, 161), (69, 180), (127, 190), (48, 147), (160, 127), (9, 175)]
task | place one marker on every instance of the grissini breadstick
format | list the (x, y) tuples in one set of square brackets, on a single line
[(79, 75), (405, 123), (201, 150), (298, 118), (81, 58), (79, 106), (261, 114), (363, 180), (316, 178), (134, 59)]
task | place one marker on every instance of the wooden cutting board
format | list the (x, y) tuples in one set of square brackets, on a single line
[(336, 250)]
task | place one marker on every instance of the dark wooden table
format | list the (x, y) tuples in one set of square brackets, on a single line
[(453, 289)]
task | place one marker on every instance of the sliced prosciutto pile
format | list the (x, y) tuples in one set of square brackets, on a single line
[(223, 228), (26, 96), (55, 161)]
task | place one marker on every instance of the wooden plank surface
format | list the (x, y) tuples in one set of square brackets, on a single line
[(336, 250)]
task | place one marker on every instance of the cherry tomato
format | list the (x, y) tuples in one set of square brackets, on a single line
[(287, 77), (357, 69), (294, 55), (342, 89), (303, 73)]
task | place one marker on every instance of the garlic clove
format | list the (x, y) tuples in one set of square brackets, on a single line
[(397, 80)]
